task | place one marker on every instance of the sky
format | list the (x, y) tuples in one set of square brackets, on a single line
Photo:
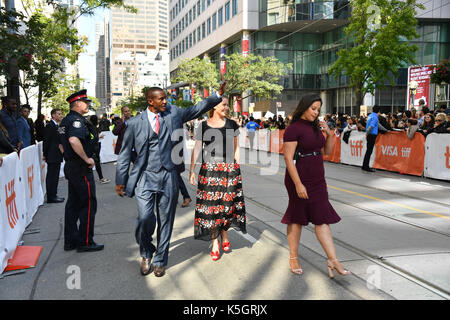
[(87, 65)]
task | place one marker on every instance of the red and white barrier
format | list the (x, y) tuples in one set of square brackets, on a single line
[(13, 207)]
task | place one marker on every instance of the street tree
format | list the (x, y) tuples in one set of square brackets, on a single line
[(199, 73), (255, 75), (380, 32), (46, 41)]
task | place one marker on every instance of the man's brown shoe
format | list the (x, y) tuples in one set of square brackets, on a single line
[(160, 271), (146, 266), (186, 202)]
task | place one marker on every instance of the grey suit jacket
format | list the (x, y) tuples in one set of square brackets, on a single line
[(137, 135)]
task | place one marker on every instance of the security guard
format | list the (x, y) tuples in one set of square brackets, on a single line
[(81, 205)]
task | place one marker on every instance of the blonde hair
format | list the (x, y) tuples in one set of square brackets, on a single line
[(441, 116)]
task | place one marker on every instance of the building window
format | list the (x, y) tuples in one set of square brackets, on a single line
[(203, 5), (235, 7), (194, 12), (220, 16), (208, 26), (203, 30), (198, 8), (198, 34), (227, 11), (214, 21), (194, 36)]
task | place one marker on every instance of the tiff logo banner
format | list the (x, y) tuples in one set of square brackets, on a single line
[(356, 148), (30, 176), (447, 158), (11, 208)]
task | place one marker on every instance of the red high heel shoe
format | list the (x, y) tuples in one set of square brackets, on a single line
[(215, 255), (226, 246)]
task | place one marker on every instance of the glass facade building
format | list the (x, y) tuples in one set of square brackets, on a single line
[(308, 34)]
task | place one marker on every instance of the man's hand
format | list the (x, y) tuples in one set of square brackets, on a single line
[(90, 162), (120, 190)]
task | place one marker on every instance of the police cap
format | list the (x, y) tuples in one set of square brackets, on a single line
[(79, 95)]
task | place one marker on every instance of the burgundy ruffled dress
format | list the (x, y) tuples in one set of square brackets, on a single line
[(317, 209)]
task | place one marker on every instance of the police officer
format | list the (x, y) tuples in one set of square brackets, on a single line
[(81, 204)]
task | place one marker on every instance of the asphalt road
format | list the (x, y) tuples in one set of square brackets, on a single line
[(393, 237)]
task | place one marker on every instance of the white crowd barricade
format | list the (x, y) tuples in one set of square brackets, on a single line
[(243, 138), (437, 156), (353, 152), (108, 142), (262, 140), (31, 178), (43, 166), (13, 207)]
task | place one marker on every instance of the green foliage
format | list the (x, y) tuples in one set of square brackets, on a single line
[(199, 71), (49, 40), (256, 74), (441, 72), (381, 31), (135, 103), (183, 103)]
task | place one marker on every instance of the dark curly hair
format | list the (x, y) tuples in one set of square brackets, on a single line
[(305, 102)]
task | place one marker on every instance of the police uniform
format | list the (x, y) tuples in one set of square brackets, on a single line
[(81, 203)]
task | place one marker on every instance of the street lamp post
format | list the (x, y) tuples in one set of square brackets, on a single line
[(412, 89)]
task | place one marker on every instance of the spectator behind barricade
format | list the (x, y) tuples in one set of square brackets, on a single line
[(104, 123), (5, 144), (405, 116), (413, 113), (10, 121), (330, 122), (440, 124), (412, 127), (92, 124), (32, 128), (39, 126), (422, 114), (120, 126), (361, 125), (427, 125), (23, 127), (351, 125), (383, 124), (393, 121)]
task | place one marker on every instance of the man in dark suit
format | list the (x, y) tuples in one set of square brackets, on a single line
[(53, 155), (120, 126), (153, 177)]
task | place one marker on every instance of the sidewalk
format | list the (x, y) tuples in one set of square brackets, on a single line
[(256, 268)]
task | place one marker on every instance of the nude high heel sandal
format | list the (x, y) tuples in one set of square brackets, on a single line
[(298, 271), (335, 265)]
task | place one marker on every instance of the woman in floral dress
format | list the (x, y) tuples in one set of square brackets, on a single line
[(220, 199)]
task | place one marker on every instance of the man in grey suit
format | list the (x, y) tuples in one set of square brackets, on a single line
[(153, 177)]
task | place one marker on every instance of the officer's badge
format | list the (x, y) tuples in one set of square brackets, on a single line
[(76, 124), (62, 130)]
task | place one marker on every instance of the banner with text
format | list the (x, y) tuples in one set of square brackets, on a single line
[(13, 211), (396, 152), (31, 176), (353, 152)]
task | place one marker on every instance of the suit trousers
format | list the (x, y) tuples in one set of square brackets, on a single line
[(81, 206), (371, 138), (156, 195), (52, 179)]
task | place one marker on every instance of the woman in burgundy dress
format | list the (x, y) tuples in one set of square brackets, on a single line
[(305, 182)]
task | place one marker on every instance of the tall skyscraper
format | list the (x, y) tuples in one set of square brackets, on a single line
[(136, 35), (103, 64)]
